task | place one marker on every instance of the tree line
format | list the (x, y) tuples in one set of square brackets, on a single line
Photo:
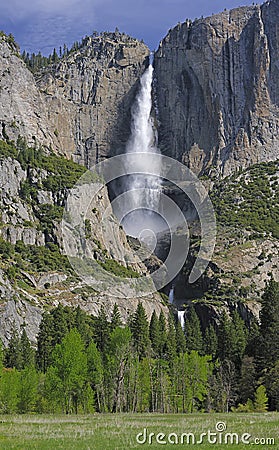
[(37, 61), (85, 364)]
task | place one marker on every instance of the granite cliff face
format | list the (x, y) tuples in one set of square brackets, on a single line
[(80, 106), (22, 107), (217, 90), (88, 95)]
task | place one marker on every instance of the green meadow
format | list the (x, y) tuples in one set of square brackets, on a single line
[(120, 431)]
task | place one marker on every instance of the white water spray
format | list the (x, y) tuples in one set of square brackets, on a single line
[(181, 318), (171, 295), (145, 188), (142, 136)]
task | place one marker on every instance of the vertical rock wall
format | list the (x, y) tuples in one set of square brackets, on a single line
[(218, 89)]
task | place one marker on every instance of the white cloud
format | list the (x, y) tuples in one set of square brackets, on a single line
[(45, 24), (18, 10)]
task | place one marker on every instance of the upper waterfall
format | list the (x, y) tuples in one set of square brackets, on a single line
[(142, 134)]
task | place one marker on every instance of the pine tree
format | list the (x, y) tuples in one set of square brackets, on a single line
[(253, 338), (232, 338), (210, 341), (115, 318), (163, 334), (65, 50), (102, 330), (269, 326), (181, 346), (192, 329), (61, 317), (171, 346), (55, 57), (140, 332), (13, 355), (27, 352), (261, 400), (144, 386), (45, 342), (83, 325), (247, 382), (226, 338), (239, 339), (272, 385), (154, 333)]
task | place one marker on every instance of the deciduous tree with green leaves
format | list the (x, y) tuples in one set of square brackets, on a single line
[(95, 375), (119, 351), (68, 374), (261, 400)]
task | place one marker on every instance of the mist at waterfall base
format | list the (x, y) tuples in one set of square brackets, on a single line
[(141, 217), (143, 224)]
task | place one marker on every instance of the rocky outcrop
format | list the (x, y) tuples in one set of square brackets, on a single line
[(28, 291), (217, 90), (89, 95), (239, 269), (79, 107), (22, 107)]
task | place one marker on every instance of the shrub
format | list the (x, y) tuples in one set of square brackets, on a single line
[(111, 265)]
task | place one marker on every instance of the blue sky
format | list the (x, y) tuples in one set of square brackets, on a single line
[(45, 24)]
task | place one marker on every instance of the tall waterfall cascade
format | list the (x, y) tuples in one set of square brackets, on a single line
[(181, 318), (143, 220)]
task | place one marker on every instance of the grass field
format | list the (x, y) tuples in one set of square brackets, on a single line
[(119, 431)]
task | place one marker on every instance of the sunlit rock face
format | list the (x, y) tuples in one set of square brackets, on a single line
[(22, 106), (89, 95), (80, 106), (218, 89)]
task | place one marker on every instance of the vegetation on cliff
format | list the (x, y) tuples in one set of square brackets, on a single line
[(55, 175), (36, 62), (249, 199)]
